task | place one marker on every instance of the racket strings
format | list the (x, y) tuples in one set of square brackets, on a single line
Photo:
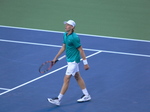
[(46, 66)]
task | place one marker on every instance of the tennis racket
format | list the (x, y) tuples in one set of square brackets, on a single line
[(46, 66)]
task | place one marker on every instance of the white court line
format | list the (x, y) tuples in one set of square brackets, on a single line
[(40, 44), (123, 53), (99, 36), (43, 76), (115, 52), (30, 43), (4, 89)]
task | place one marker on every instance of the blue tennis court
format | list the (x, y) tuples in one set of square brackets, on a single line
[(118, 79)]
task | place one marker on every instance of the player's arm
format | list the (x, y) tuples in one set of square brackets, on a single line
[(62, 49), (86, 66)]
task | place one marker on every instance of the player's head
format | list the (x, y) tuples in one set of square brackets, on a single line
[(70, 25)]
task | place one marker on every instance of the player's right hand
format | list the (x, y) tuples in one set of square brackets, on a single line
[(54, 61)]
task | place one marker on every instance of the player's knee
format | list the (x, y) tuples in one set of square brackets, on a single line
[(77, 77)]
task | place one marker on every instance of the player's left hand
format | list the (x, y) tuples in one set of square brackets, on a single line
[(86, 67)]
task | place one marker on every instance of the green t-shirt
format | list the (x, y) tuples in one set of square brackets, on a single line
[(72, 43)]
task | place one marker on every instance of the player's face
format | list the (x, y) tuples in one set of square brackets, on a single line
[(68, 28)]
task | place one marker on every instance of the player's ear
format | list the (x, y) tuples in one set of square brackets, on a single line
[(73, 29)]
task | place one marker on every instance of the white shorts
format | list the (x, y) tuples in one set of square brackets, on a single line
[(72, 68)]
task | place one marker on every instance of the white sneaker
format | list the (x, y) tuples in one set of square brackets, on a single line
[(84, 98), (54, 101)]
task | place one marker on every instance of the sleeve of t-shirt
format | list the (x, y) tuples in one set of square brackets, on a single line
[(64, 39), (76, 42)]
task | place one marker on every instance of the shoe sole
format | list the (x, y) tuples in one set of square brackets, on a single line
[(52, 102), (83, 101)]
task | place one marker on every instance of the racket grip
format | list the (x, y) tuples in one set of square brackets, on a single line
[(56, 61)]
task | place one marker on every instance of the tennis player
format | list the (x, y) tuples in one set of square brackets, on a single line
[(73, 48)]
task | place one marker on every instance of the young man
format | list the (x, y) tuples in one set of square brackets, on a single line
[(73, 48)]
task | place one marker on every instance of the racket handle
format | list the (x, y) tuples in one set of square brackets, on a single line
[(53, 62), (56, 61), (60, 58)]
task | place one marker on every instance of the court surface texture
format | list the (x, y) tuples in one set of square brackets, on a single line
[(118, 79)]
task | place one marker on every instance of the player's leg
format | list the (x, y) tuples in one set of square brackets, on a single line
[(65, 84), (79, 80), (69, 71), (86, 96), (64, 88)]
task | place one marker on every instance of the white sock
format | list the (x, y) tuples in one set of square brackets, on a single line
[(60, 96), (85, 92)]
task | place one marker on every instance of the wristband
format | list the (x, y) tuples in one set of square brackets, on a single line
[(85, 62)]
